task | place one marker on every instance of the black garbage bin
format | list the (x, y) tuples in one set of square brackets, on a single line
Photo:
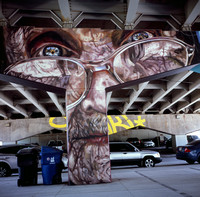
[(27, 161), (51, 163)]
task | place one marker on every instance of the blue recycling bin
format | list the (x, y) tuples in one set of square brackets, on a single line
[(51, 163)]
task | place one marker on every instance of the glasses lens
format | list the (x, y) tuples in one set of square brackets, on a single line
[(59, 72), (149, 58)]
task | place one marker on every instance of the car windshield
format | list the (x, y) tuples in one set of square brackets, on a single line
[(194, 143), (123, 147)]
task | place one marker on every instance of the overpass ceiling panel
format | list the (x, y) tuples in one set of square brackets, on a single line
[(138, 14), (33, 104), (177, 93), (38, 22)]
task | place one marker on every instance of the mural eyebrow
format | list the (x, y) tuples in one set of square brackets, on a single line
[(62, 38), (121, 37), (118, 37)]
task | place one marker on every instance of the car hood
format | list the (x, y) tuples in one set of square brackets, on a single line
[(148, 152)]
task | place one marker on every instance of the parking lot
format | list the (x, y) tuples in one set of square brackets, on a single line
[(171, 177)]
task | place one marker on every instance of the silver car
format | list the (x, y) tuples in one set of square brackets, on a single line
[(147, 143), (124, 153), (8, 159)]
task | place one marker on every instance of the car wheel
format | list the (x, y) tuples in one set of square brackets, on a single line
[(198, 159), (19, 182), (190, 161), (149, 162), (4, 170)]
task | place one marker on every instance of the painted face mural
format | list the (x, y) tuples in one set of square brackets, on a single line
[(84, 62)]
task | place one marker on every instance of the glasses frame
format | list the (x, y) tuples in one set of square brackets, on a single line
[(106, 63)]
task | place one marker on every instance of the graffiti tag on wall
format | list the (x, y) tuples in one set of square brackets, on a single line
[(113, 123)]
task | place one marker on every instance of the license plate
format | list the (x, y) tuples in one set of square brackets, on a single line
[(180, 149)]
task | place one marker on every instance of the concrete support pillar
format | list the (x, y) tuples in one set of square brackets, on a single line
[(174, 143)]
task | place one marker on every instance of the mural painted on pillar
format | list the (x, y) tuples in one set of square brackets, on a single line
[(84, 62)]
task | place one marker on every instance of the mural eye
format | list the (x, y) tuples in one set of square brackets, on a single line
[(52, 51), (141, 35)]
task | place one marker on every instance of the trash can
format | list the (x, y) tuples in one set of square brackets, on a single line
[(51, 163), (27, 161)]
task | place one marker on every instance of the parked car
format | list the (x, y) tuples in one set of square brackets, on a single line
[(191, 138), (134, 141), (147, 143), (8, 159), (56, 144), (190, 152), (124, 153)]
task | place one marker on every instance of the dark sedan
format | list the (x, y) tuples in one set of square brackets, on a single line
[(189, 152)]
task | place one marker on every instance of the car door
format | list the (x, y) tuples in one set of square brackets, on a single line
[(116, 156), (8, 155), (131, 154)]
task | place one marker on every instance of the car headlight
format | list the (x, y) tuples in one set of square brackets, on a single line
[(157, 155)]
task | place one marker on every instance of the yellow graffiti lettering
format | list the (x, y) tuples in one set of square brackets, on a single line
[(128, 121), (52, 124), (110, 132), (119, 123), (139, 121), (112, 125)]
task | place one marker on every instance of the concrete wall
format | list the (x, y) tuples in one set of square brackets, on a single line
[(43, 139), (171, 124), (14, 130), (139, 133)]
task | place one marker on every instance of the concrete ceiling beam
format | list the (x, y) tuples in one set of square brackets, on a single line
[(131, 14), (55, 100), (18, 14), (65, 13), (7, 101), (181, 95), (196, 108), (31, 98), (3, 114), (195, 98), (112, 17), (174, 81), (133, 97), (192, 11)]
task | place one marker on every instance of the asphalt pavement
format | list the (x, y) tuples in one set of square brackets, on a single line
[(170, 178)]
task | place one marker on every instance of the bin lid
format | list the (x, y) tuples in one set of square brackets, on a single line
[(47, 149), (29, 151)]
